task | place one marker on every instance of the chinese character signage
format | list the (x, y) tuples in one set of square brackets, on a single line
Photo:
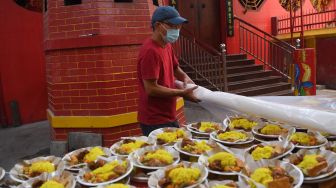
[(229, 18)]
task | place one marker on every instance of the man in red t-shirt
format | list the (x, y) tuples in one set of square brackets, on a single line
[(157, 69)]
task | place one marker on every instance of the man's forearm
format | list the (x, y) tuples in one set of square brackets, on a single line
[(180, 74), (161, 91)]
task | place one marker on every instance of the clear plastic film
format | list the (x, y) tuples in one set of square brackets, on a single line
[(314, 113)]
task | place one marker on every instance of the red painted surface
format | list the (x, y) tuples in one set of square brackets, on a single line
[(22, 63), (94, 75), (260, 18), (326, 68)]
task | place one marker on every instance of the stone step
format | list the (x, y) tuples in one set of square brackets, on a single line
[(231, 57), (264, 89), (240, 62), (280, 93), (253, 82), (248, 75), (244, 68)]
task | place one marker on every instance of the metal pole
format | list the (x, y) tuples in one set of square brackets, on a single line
[(290, 21), (301, 34), (223, 59)]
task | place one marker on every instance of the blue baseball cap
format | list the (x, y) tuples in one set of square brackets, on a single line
[(168, 14)]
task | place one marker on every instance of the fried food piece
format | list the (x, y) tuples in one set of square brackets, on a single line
[(242, 123), (158, 157), (109, 171), (37, 168), (266, 152), (130, 145), (206, 127), (195, 147), (170, 136), (224, 162), (180, 176), (231, 136), (273, 177), (304, 139), (272, 129), (311, 165)]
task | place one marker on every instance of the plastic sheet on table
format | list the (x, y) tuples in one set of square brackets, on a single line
[(313, 116)]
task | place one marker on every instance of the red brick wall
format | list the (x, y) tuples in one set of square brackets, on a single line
[(95, 17), (95, 75), (92, 81)]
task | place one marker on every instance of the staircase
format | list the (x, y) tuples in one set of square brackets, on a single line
[(246, 78), (238, 73)]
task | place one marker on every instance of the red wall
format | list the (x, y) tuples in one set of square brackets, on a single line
[(22, 67), (326, 68), (260, 18)]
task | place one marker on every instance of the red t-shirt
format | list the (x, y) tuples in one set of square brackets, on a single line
[(156, 62)]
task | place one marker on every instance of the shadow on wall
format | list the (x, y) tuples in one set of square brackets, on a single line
[(33, 5), (22, 63)]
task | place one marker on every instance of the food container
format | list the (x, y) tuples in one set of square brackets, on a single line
[(134, 157), (153, 135), (105, 186), (117, 145), (248, 140), (160, 174), (328, 155), (257, 131), (331, 146), (178, 147), (291, 169), (79, 166), (80, 178), (2, 173), (64, 177), (321, 141), (17, 174), (275, 144), (198, 133), (229, 119), (203, 159), (214, 183)]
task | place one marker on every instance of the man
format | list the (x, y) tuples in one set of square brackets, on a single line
[(157, 70)]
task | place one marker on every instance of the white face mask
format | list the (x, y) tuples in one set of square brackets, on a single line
[(172, 35)]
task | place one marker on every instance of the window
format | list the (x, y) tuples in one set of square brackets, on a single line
[(45, 5), (72, 2), (156, 2)]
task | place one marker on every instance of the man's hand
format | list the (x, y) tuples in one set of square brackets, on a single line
[(186, 81), (189, 95)]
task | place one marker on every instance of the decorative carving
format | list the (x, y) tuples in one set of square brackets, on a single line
[(320, 5), (251, 4), (286, 4)]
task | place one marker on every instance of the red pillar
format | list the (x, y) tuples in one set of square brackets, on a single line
[(91, 51)]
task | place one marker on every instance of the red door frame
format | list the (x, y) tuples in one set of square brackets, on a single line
[(222, 12), (3, 120)]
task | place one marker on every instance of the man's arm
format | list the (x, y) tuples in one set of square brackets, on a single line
[(154, 89), (182, 76)]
